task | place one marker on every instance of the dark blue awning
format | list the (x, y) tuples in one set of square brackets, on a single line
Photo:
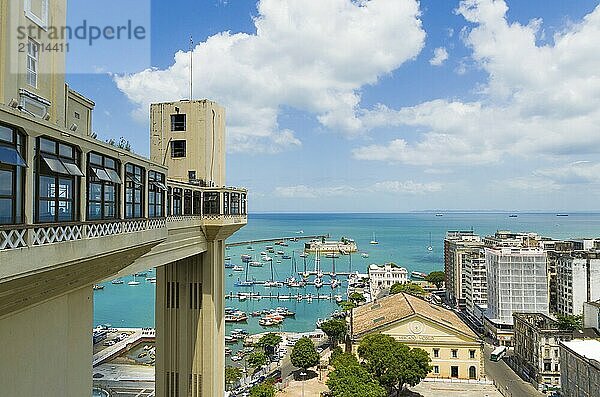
[(10, 155)]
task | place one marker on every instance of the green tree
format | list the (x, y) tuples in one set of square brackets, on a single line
[(256, 359), (356, 298), (335, 329), (269, 342), (392, 363), (304, 355), (232, 375), (409, 288), (436, 278), (569, 322), (347, 305), (350, 379), (264, 389)]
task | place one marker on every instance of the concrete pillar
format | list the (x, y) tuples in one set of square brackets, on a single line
[(46, 350), (190, 325)]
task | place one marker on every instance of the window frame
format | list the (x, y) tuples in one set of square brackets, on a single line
[(177, 205), (134, 185), (177, 153), (176, 126), (93, 178), (156, 188), (32, 74), (40, 20), (17, 194), (41, 171)]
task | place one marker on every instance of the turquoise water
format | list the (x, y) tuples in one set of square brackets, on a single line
[(403, 239)]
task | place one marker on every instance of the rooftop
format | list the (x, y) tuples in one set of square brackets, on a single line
[(393, 308), (588, 348)]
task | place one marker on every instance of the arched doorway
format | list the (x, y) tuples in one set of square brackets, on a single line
[(472, 372)]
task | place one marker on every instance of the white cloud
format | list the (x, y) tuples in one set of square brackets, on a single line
[(314, 56), (440, 55), (393, 187), (539, 99)]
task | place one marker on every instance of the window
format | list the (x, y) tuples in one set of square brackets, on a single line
[(156, 194), (471, 353), (178, 148), (33, 54), (436, 352), (37, 11), (547, 367), (57, 167), (12, 175), (177, 201), (472, 372), (244, 204), (226, 203), (211, 203), (454, 371), (103, 184), (235, 204), (197, 199), (454, 353), (77, 115), (169, 200), (187, 202), (134, 191), (178, 122), (436, 369)]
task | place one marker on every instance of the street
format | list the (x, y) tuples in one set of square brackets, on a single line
[(509, 383)]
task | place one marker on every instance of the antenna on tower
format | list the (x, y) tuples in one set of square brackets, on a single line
[(191, 68)]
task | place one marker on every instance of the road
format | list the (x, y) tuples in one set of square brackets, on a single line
[(509, 383)]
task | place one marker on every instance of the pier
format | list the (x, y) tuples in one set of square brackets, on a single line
[(271, 296), (273, 240)]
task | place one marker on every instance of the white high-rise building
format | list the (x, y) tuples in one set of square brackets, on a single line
[(517, 282), (577, 282), (381, 278), (475, 281)]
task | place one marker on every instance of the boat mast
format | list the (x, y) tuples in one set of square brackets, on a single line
[(272, 277)]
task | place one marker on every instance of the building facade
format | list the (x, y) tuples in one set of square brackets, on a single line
[(591, 315), (577, 281), (536, 349), (458, 246), (381, 278), (456, 352), (75, 211), (580, 368), (475, 281)]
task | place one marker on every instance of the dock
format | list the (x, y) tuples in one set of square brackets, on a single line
[(281, 297), (275, 239)]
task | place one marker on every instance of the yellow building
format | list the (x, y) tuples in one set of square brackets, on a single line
[(455, 350)]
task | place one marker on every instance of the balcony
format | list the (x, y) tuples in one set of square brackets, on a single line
[(73, 206)]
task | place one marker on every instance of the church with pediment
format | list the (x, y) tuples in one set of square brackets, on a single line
[(456, 351)]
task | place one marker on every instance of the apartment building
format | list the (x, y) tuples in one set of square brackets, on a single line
[(458, 246), (580, 368), (475, 281), (577, 281)]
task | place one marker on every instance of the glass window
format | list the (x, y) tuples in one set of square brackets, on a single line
[(177, 193), (244, 204), (235, 204), (178, 148), (134, 191), (211, 203), (197, 200), (12, 175), (156, 194), (57, 175), (226, 203), (103, 190), (187, 202), (178, 122), (33, 58)]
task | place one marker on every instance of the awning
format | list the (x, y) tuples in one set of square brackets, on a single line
[(72, 168), (113, 175), (55, 165), (10, 155), (101, 174), (159, 185), (134, 178)]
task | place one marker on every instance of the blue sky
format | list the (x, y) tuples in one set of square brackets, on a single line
[(344, 106)]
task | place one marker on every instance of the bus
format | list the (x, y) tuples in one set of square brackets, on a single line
[(498, 353)]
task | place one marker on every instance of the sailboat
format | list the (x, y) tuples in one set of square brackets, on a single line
[(429, 247), (374, 241), (246, 283), (272, 282), (134, 282), (318, 282)]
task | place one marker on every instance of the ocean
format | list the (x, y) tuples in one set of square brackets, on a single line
[(403, 239)]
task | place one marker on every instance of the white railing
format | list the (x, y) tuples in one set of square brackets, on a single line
[(14, 238), (55, 234), (103, 229)]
